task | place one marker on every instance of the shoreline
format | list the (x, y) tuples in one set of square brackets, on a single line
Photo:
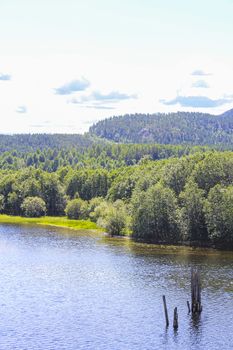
[(52, 221), (87, 225)]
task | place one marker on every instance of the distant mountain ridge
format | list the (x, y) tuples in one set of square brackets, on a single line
[(228, 113), (181, 128), (189, 128)]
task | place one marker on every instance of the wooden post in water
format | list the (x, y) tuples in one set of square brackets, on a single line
[(188, 304), (196, 291), (175, 319), (165, 310)]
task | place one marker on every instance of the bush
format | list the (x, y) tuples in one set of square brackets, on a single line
[(112, 217), (76, 209), (98, 210), (115, 222), (93, 203), (33, 207)]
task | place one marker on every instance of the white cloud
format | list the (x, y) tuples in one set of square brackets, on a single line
[(36, 76), (5, 77), (200, 72), (73, 86), (200, 84), (197, 101), (21, 109)]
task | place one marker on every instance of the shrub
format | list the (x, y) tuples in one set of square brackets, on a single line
[(76, 209), (33, 207), (112, 217)]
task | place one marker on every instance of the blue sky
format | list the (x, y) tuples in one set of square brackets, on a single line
[(65, 64)]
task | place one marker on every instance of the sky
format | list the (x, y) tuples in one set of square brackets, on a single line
[(65, 64)]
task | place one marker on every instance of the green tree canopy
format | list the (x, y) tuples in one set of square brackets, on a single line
[(192, 217), (33, 207), (155, 215), (219, 215), (76, 209)]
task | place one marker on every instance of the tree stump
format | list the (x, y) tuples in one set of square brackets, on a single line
[(165, 310), (196, 291), (175, 319)]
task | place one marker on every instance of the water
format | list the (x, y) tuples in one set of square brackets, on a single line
[(63, 290)]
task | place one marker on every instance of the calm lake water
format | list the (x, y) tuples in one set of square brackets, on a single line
[(65, 290)]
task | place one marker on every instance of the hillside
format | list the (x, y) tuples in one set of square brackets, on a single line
[(181, 128), (173, 128), (33, 142)]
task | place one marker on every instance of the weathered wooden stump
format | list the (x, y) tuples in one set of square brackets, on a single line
[(188, 304), (196, 291), (165, 311), (175, 319)]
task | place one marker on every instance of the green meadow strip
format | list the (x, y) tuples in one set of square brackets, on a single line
[(50, 221)]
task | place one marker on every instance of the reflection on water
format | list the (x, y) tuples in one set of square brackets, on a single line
[(212, 263), (66, 290)]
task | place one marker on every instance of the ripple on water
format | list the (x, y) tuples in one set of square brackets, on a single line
[(82, 292)]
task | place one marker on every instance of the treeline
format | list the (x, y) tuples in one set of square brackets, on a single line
[(174, 128), (187, 200), (109, 156), (34, 142)]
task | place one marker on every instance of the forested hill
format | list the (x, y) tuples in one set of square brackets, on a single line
[(173, 128), (33, 142), (181, 128)]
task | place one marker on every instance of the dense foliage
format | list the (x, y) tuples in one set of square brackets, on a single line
[(34, 142), (155, 215), (109, 156), (173, 128), (76, 209), (33, 207), (183, 200), (163, 193)]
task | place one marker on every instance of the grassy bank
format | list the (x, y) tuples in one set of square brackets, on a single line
[(50, 221)]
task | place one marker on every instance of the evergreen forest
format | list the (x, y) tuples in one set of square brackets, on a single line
[(186, 128)]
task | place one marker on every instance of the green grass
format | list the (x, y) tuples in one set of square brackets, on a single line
[(50, 221)]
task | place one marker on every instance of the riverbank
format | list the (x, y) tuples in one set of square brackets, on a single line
[(57, 221), (50, 221)]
